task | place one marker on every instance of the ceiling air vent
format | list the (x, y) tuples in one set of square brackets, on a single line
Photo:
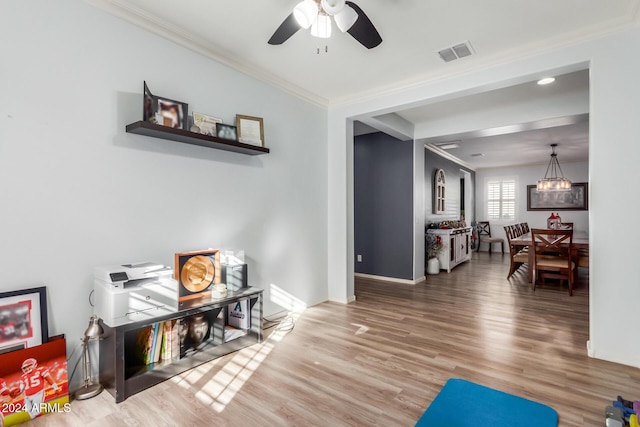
[(455, 52)]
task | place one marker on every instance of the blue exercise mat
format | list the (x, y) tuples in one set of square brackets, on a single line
[(461, 403)]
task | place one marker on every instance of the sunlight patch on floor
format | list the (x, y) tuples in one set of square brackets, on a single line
[(221, 388)]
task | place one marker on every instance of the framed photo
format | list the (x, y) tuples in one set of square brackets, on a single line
[(165, 111), (250, 129), (35, 382), (226, 131), (575, 199), (23, 319), (206, 124)]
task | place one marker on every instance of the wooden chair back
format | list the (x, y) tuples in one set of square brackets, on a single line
[(484, 228), (517, 256), (554, 255)]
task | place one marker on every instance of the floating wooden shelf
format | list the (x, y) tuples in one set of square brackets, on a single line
[(187, 137)]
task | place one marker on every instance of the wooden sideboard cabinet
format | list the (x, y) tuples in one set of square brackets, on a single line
[(456, 246)]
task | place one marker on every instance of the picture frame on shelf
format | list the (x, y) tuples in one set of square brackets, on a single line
[(575, 199), (23, 319), (206, 124), (225, 131), (165, 111), (250, 129)]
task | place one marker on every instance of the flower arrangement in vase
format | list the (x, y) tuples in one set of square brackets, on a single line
[(434, 245)]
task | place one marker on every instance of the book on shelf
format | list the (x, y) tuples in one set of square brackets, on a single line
[(144, 344), (231, 333), (158, 334), (175, 338), (238, 314), (167, 340)]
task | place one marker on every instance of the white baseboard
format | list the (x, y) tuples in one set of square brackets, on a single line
[(390, 279), (590, 352)]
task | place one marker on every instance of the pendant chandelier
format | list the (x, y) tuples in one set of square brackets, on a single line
[(551, 180)]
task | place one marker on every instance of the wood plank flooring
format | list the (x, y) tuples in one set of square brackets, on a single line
[(381, 360)]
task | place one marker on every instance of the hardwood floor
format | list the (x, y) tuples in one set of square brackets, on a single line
[(382, 360)]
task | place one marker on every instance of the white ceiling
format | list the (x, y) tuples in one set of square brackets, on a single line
[(413, 31)]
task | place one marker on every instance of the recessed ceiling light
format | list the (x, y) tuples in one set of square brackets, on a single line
[(477, 155), (546, 80), (448, 145)]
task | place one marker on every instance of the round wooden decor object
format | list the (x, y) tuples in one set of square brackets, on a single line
[(197, 273)]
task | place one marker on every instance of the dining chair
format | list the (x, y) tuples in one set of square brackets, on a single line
[(525, 227), (517, 256), (554, 255), (484, 236)]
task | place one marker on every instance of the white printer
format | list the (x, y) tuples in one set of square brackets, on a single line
[(133, 292)]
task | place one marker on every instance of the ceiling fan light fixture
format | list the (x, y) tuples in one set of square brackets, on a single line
[(306, 13), (321, 27), (332, 7), (346, 18)]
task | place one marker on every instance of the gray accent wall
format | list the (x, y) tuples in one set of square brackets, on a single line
[(383, 206)]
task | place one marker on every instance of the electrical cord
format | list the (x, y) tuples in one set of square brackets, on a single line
[(284, 323)]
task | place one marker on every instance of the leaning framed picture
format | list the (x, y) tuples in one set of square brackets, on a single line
[(165, 111), (250, 129), (23, 319), (575, 199)]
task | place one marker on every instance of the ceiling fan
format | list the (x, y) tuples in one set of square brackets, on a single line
[(317, 14)]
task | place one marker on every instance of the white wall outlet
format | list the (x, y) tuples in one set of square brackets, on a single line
[(359, 258)]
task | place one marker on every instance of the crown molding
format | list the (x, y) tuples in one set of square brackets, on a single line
[(477, 63), (160, 27), (442, 153)]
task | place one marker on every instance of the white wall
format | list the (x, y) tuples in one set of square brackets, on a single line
[(613, 173), (529, 175), (78, 192)]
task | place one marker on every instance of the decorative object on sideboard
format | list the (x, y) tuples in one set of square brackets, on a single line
[(198, 327), (23, 319), (196, 273), (439, 192), (434, 245), (89, 388), (165, 111), (250, 129), (219, 291), (552, 181)]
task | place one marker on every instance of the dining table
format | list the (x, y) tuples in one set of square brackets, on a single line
[(580, 241)]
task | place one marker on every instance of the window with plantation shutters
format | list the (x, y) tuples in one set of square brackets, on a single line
[(501, 199)]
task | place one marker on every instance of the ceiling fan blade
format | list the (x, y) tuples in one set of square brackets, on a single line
[(288, 28), (363, 30)]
